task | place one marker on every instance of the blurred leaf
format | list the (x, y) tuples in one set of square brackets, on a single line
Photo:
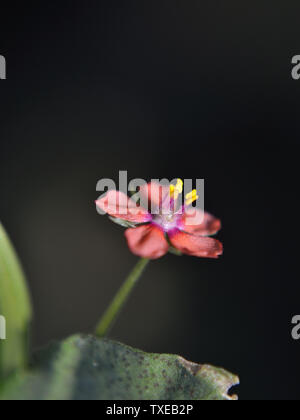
[(88, 368), (123, 223), (175, 251), (15, 307)]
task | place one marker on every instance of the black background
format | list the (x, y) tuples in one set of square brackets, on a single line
[(168, 88)]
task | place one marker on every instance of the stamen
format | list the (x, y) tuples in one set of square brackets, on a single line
[(191, 197), (177, 189), (179, 185)]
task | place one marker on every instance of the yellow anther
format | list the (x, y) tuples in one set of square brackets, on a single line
[(179, 186), (191, 197), (175, 190)]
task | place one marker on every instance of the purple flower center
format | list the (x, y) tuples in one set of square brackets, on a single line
[(167, 222)]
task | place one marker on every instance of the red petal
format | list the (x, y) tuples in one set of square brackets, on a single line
[(197, 246), (153, 194), (147, 241), (200, 223), (117, 204)]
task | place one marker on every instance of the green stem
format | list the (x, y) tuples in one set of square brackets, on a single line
[(120, 299)]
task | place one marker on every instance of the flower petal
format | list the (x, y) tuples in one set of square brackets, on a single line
[(153, 195), (199, 223), (147, 241), (197, 246), (118, 205)]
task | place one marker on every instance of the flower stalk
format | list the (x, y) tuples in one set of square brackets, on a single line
[(108, 319)]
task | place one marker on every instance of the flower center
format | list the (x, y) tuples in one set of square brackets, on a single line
[(166, 221), (171, 215)]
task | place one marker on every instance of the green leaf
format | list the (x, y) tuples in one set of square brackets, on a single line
[(88, 368), (123, 223), (175, 251), (15, 309)]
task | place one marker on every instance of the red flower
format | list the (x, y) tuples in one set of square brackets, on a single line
[(153, 233)]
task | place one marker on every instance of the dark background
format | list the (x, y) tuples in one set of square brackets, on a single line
[(190, 89)]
